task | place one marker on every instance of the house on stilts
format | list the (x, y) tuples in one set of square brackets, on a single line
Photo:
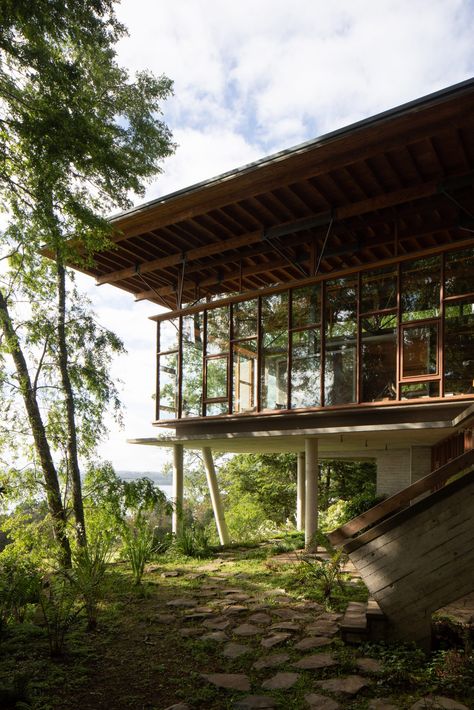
[(321, 301)]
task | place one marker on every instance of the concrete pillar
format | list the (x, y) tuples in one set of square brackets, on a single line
[(311, 514), (178, 489), (393, 471), (215, 496), (300, 491)]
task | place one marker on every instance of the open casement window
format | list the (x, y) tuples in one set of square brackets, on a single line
[(305, 342), (274, 351), (420, 308), (378, 334), (192, 365), (167, 394), (245, 376), (340, 352), (216, 361)]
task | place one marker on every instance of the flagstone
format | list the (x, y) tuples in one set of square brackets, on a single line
[(184, 602), (315, 661), (285, 626), (313, 642), (438, 702), (274, 640), (217, 636), (276, 659), (217, 624), (255, 701), (322, 628), (281, 681), (165, 618), (260, 618), (369, 665), (381, 704), (190, 632), (234, 609), (231, 681), (321, 702), (350, 685), (235, 650), (247, 630)]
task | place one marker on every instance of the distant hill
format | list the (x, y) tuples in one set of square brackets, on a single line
[(158, 478)]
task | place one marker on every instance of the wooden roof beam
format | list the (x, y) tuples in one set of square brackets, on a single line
[(351, 210)]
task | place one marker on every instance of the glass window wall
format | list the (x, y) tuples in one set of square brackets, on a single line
[(192, 365), (340, 355), (274, 351), (337, 342)]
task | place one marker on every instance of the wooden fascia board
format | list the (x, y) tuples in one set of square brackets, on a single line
[(361, 207), (360, 144)]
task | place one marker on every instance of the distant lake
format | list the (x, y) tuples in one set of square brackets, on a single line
[(163, 482)]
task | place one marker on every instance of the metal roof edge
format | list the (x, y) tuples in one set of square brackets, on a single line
[(413, 105)]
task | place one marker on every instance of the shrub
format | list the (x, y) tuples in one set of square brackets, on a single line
[(88, 573), (138, 546), (192, 541), (19, 585), (59, 605)]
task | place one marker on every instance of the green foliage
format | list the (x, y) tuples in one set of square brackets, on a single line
[(344, 510), (20, 583), (125, 509), (325, 573), (138, 546), (192, 541), (88, 573), (267, 480), (78, 136), (59, 603)]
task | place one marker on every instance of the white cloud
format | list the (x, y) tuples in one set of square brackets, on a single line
[(256, 77)]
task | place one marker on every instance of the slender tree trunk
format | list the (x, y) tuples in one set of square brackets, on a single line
[(73, 458), (43, 450)]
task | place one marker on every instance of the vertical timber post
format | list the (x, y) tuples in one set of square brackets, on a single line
[(311, 515), (215, 496), (301, 491), (178, 490)]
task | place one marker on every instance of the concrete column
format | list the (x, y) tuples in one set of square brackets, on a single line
[(178, 489), (300, 491), (215, 496), (311, 507)]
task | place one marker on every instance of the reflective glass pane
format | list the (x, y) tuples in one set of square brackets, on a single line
[(340, 371), (306, 306), (273, 375), (415, 390), (245, 319), (215, 408), (216, 377), (192, 365), (378, 289), (169, 335), (420, 350), (245, 376), (168, 386), (420, 288), (459, 348), (306, 369), (379, 358), (217, 330), (459, 272)]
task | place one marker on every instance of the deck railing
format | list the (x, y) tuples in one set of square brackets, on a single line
[(433, 481)]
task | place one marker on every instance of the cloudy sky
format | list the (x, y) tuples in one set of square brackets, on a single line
[(254, 77)]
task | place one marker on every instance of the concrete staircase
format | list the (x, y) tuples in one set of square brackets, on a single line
[(363, 622), (414, 551)]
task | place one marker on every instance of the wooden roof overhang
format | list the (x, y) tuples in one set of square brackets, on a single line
[(392, 185)]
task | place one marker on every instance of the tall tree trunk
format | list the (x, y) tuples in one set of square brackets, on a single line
[(38, 431), (73, 458)]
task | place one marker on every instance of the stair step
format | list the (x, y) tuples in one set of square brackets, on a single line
[(362, 622)]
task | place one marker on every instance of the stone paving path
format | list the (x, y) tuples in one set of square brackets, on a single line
[(275, 649)]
